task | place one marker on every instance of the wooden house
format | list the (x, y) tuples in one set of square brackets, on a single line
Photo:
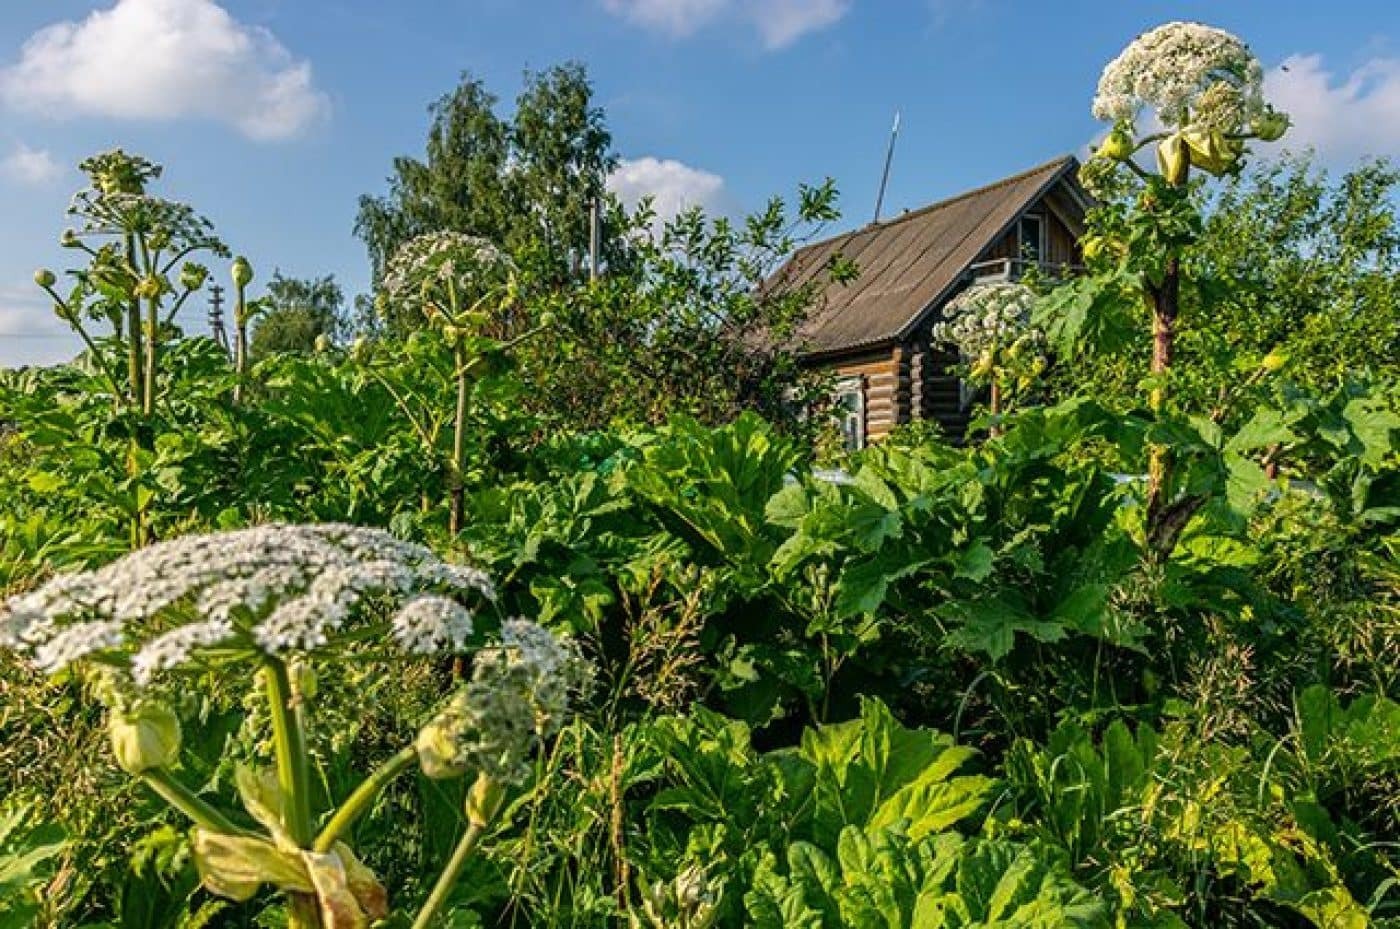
[(873, 332)]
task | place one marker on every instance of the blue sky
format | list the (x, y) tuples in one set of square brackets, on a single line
[(273, 116)]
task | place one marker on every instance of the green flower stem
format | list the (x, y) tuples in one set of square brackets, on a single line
[(289, 744), (459, 445), (362, 797), (448, 879), (152, 351), (188, 802)]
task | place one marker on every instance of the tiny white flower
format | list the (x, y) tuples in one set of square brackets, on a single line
[(431, 623)]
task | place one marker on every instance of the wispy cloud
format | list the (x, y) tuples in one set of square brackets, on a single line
[(32, 167), (779, 23), (672, 185), (166, 60), (29, 332), (1343, 116)]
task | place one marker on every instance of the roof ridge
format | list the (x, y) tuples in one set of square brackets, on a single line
[(1059, 162)]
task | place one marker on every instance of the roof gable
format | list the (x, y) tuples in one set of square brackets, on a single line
[(909, 263)]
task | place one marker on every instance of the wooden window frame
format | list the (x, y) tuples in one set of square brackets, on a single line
[(1040, 245), (851, 385)]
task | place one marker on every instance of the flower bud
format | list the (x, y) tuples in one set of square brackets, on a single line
[(1274, 361), (1118, 146), (360, 350), (304, 680), (484, 800), (150, 287), (44, 278), (193, 276), (144, 737), (1271, 125), (1173, 159), (242, 272), (439, 754), (69, 239), (1212, 152)]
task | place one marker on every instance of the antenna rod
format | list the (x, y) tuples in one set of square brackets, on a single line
[(889, 157)]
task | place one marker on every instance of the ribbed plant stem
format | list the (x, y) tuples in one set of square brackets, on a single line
[(289, 744), (459, 444), (362, 797), (448, 879), (188, 802)]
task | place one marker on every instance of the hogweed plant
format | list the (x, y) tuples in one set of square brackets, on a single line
[(990, 326), (140, 273), (1204, 88), (462, 286), (262, 602)]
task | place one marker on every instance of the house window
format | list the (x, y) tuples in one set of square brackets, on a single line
[(1030, 236), (850, 412)]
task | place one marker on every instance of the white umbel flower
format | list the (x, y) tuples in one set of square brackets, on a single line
[(431, 624), (1191, 75), (987, 317), (173, 649), (432, 270), (277, 588), (519, 694)]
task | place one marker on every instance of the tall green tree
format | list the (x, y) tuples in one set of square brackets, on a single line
[(1290, 264), (524, 182), (298, 311)]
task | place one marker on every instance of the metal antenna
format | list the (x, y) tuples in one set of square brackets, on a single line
[(889, 157), (216, 316)]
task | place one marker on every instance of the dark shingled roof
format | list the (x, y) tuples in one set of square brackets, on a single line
[(907, 264)]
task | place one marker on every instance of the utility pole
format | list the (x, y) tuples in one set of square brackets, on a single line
[(885, 175), (216, 317)]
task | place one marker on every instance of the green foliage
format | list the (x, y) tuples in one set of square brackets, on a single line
[(296, 314), (26, 856)]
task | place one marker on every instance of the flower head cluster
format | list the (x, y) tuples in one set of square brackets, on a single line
[(443, 271), (1192, 75), (518, 695), (986, 318), (117, 203), (274, 589)]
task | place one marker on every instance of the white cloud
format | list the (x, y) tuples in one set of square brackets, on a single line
[(165, 60), (672, 185), (30, 166), (1357, 114), (29, 332), (779, 23)]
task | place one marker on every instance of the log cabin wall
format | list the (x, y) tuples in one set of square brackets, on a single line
[(884, 375)]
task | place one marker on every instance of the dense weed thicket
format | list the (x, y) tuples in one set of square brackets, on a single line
[(1128, 658)]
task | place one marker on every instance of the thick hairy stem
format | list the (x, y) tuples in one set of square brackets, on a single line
[(289, 744), (1165, 306), (363, 797), (240, 342), (133, 345), (459, 447), (148, 403), (484, 802)]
